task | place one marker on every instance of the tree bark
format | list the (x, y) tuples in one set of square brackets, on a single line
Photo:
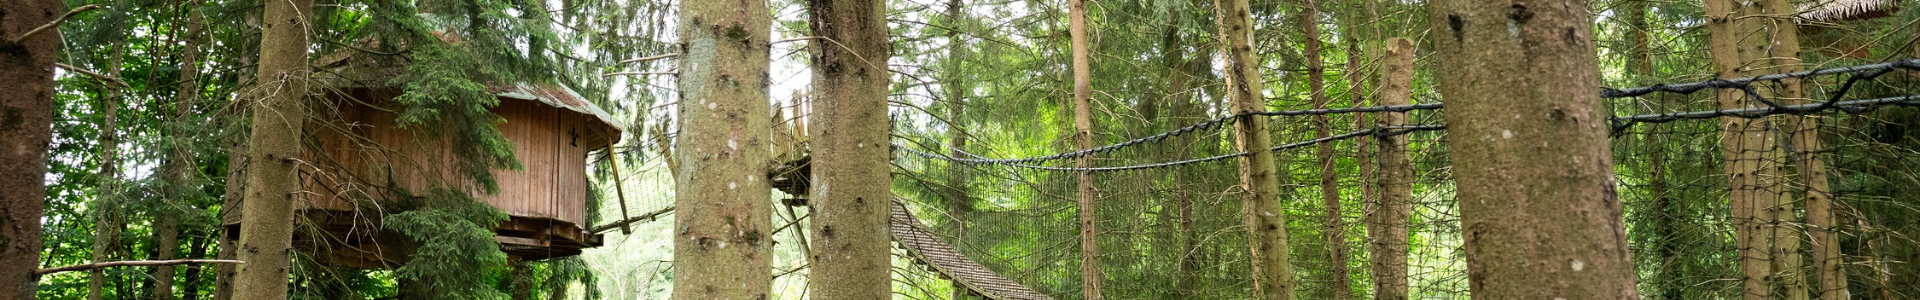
[(1784, 57), (1537, 203), (1388, 229), (1335, 230), (1746, 143), (1083, 139), (1262, 210), (852, 186), (266, 235), (723, 247), (181, 163), (26, 121)]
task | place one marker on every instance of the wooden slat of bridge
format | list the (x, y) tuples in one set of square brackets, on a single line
[(928, 248)]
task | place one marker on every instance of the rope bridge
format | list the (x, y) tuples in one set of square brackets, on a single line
[(1168, 201), (1169, 225)]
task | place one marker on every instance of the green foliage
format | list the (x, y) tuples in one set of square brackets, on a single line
[(453, 239)]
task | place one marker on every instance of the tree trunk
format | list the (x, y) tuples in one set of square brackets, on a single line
[(181, 164), (851, 161), (522, 281), (1180, 112), (230, 204), (1335, 230), (190, 286), (1640, 68), (106, 203), (1745, 142), (1262, 209), (26, 121), (1785, 57), (266, 235), (1388, 229), (1083, 139), (1537, 203), (959, 202), (723, 247)]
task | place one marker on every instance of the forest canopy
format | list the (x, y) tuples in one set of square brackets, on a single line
[(955, 149)]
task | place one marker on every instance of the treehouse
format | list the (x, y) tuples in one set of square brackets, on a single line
[(362, 165), (1816, 18)]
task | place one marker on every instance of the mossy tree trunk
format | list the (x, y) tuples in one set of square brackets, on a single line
[(1388, 223), (722, 238), (1537, 203), (26, 122), (274, 153), (851, 192), (1261, 210)]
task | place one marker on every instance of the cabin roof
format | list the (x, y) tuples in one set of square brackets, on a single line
[(560, 97), (351, 68), (1838, 10)]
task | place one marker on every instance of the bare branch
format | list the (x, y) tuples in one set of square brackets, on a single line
[(56, 22), (134, 263)]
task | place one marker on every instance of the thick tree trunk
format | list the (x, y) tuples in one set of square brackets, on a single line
[(266, 235), (181, 164), (851, 163), (1746, 142), (723, 243), (26, 121), (1536, 193), (1262, 209), (1083, 139), (1388, 226)]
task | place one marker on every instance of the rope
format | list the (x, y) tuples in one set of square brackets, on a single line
[(1618, 123)]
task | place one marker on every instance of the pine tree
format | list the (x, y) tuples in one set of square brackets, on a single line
[(1083, 140), (851, 194), (722, 237), (1537, 203), (274, 153), (26, 115), (1389, 221), (1262, 209)]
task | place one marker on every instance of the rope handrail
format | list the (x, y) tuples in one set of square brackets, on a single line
[(1618, 124)]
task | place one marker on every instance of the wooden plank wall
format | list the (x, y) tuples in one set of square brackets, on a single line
[(551, 184)]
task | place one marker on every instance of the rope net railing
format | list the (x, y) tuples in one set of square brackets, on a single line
[(1169, 223)]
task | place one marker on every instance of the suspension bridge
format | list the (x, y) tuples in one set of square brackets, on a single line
[(1159, 178)]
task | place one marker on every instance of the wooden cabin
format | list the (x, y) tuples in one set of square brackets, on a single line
[(362, 166)]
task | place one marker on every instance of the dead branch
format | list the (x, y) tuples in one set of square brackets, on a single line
[(133, 263)]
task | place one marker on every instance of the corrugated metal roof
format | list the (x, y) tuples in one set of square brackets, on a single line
[(561, 97)]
